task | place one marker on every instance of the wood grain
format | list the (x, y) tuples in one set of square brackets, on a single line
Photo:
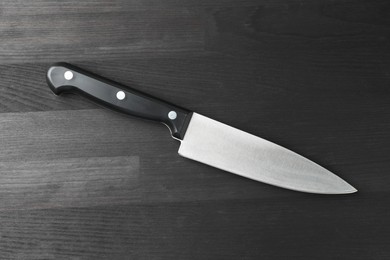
[(80, 182), (77, 30), (73, 182)]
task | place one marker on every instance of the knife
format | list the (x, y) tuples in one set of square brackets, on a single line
[(203, 139)]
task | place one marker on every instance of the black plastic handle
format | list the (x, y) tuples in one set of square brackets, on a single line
[(66, 78)]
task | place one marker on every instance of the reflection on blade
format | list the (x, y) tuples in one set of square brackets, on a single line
[(227, 148)]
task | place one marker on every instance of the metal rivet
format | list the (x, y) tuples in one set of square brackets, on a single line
[(172, 115), (68, 75), (120, 95)]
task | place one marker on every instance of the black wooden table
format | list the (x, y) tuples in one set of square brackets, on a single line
[(78, 181)]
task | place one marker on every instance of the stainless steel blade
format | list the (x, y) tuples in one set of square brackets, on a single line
[(227, 148)]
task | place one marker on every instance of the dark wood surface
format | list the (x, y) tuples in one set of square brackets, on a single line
[(81, 182)]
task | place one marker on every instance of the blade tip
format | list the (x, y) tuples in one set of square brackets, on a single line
[(346, 189), (353, 190), (350, 190)]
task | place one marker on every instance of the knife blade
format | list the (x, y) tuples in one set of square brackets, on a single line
[(203, 139)]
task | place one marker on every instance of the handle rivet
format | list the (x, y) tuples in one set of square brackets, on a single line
[(120, 95), (172, 115), (68, 75)]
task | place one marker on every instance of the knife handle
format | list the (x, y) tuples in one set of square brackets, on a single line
[(66, 78)]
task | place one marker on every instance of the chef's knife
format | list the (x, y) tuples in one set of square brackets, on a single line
[(204, 139)]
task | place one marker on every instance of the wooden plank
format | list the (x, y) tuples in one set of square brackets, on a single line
[(305, 228), (50, 31), (68, 182)]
